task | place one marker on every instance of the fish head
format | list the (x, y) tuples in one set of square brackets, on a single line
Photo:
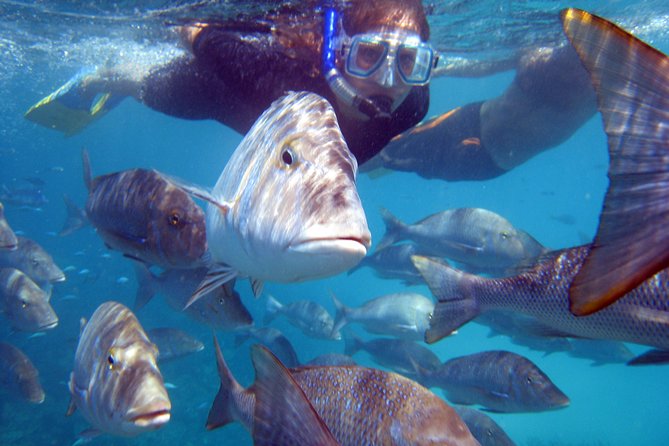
[(38, 264), (294, 206), (178, 229), (538, 389), (132, 388), (27, 305), (8, 239)]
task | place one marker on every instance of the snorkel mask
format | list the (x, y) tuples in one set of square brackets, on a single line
[(373, 56)]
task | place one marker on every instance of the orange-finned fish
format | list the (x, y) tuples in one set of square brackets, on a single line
[(632, 83)]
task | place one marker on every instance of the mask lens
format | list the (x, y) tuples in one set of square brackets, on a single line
[(365, 57), (414, 62)]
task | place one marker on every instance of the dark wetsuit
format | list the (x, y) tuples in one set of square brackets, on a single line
[(234, 75)]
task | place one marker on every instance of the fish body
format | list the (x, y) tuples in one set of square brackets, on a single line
[(394, 262), (8, 239), (477, 238), (402, 315), (147, 217), (400, 355), (26, 197), (18, 375), (641, 316), (358, 405), (484, 428), (23, 303), (116, 383), (173, 343), (222, 309), (307, 315), (34, 261), (500, 381), (274, 340), (286, 204)]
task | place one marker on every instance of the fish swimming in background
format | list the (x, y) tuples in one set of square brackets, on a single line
[(18, 375), (394, 262), (286, 208), (600, 351), (356, 405), (24, 197), (33, 261), (481, 240), (307, 315), (116, 383), (222, 309), (173, 343), (631, 80), (484, 428), (498, 380), (145, 216), (274, 340), (23, 303), (402, 315), (8, 239), (641, 316)]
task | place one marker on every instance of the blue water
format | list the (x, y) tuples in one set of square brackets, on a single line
[(610, 405)]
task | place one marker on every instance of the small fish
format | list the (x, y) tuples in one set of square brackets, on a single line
[(84, 271), (347, 405), (484, 428), (18, 375), (69, 268), (221, 309), (394, 262), (274, 340), (171, 386), (307, 315), (8, 238), (402, 315), (173, 343), (31, 198), (631, 81), (116, 383), (641, 316), (23, 303), (122, 280), (146, 216), (500, 381), (399, 355), (286, 207), (34, 261), (480, 239)]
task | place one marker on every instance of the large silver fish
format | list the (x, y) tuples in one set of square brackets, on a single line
[(402, 315), (286, 207), (116, 383), (23, 303), (480, 239), (631, 80), (307, 315), (146, 216), (498, 380), (354, 405), (34, 261), (222, 309), (18, 375), (173, 343), (641, 316), (8, 239)]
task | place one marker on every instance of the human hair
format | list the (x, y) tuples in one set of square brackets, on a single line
[(361, 16)]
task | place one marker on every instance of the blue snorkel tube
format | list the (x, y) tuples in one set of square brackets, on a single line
[(335, 80)]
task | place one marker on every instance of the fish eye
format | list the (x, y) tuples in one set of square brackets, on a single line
[(529, 380), (111, 359), (174, 219), (287, 156), (24, 304), (34, 262)]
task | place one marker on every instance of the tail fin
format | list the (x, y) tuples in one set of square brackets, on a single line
[(223, 409), (145, 287), (394, 229), (272, 308), (76, 217), (86, 161), (456, 307), (283, 413), (352, 344), (342, 311)]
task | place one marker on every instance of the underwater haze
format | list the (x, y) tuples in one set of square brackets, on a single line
[(556, 197)]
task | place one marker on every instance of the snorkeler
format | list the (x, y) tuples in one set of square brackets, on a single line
[(369, 59)]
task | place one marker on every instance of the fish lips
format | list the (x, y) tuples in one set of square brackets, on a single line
[(324, 239), (152, 417)]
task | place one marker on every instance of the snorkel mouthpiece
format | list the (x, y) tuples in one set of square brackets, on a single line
[(335, 80)]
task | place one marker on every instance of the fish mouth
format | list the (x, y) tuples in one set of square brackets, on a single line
[(329, 244), (12, 247), (49, 326), (60, 278), (155, 418)]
